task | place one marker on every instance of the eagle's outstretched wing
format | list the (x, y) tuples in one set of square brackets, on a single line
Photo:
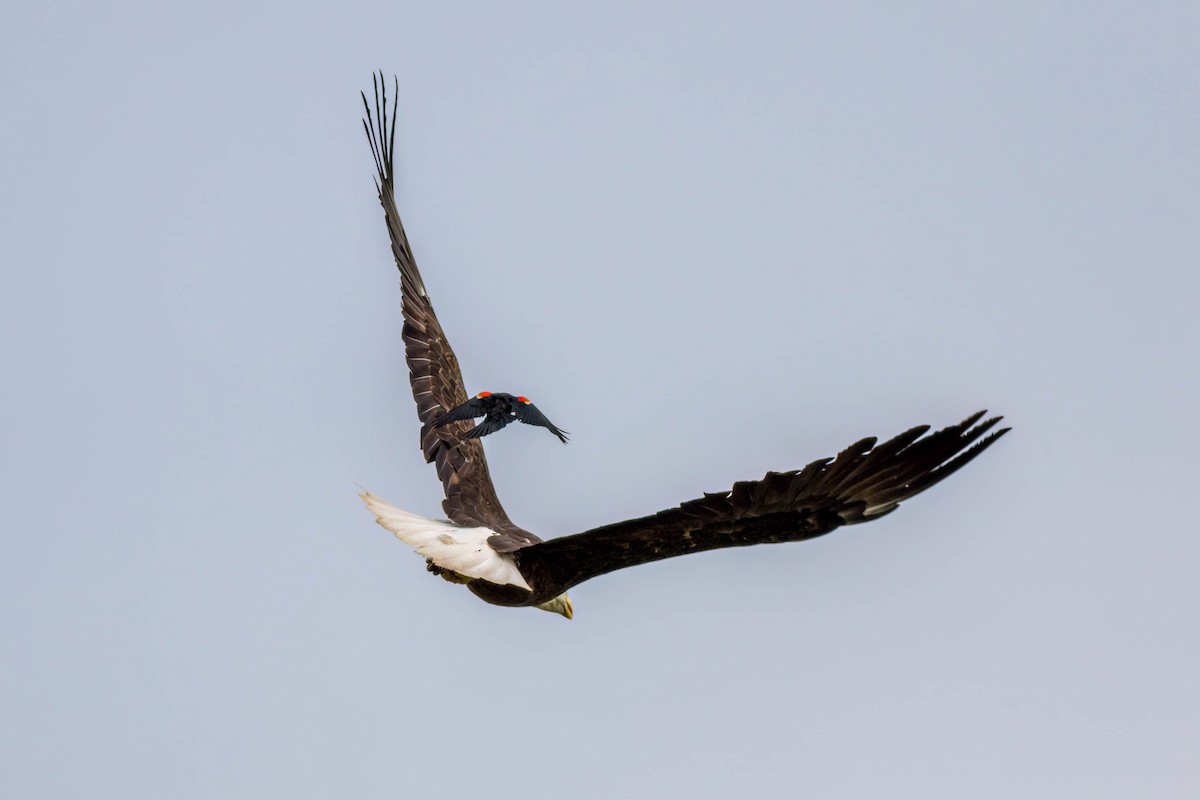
[(436, 379), (865, 482), (528, 413)]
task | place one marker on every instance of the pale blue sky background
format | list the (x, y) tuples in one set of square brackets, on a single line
[(709, 240)]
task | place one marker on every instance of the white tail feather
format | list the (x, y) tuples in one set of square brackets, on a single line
[(450, 546)]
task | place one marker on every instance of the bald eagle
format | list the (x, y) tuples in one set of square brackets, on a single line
[(479, 546)]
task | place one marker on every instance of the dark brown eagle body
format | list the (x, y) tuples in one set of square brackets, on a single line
[(507, 565)]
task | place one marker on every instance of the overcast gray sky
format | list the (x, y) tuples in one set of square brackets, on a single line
[(709, 240)]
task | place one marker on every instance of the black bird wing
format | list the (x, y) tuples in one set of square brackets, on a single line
[(528, 413), (865, 482), (493, 423), (436, 379), (475, 407)]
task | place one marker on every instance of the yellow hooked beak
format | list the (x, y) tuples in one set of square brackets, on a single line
[(559, 605)]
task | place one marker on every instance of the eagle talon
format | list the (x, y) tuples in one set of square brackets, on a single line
[(446, 574)]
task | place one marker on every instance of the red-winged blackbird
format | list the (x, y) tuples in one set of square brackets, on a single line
[(498, 409)]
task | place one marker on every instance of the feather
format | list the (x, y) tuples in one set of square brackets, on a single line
[(452, 547)]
